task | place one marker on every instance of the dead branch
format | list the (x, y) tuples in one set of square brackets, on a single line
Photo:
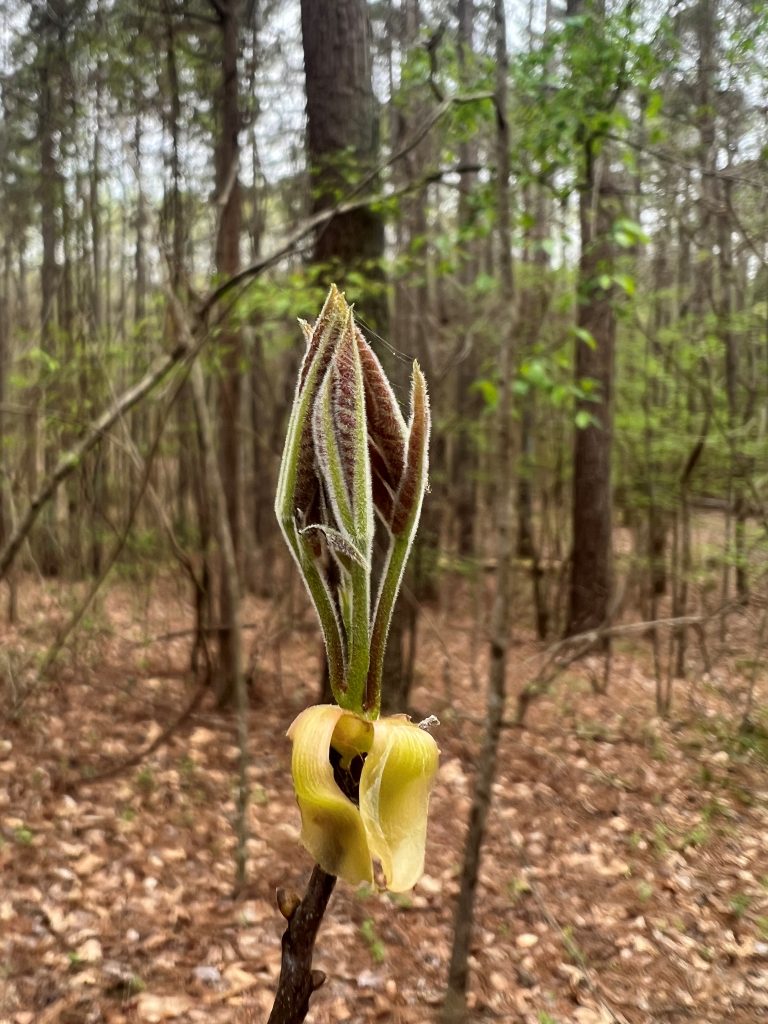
[(68, 629), (212, 630), (70, 461), (310, 225), (114, 770), (562, 654)]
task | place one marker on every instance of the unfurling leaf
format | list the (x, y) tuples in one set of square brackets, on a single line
[(387, 432), (362, 783), (414, 482), (338, 544), (341, 440), (297, 484)]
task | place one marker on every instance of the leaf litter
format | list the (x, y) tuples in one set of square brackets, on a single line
[(624, 877)]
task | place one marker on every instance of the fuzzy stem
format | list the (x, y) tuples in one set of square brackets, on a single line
[(359, 641), (329, 622), (391, 577)]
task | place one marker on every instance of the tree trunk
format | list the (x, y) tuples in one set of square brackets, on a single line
[(5, 480), (230, 393), (589, 598), (454, 1009), (50, 50), (95, 210), (463, 470), (591, 567), (342, 141)]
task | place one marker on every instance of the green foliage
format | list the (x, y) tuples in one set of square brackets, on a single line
[(644, 891), (568, 93), (376, 947), (145, 781), (740, 903), (551, 379)]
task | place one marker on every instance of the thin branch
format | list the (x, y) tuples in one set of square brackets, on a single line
[(71, 784), (563, 653), (671, 158), (70, 461), (320, 219), (68, 629), (215, 628), (187, 15), (419, 133)]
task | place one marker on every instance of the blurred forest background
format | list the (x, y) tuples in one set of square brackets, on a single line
[(560, 211), (621, 259)]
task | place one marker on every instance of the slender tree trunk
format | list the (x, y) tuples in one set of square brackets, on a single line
[(454, 1009), (737, 417), (5, 477), (223, 530), (185, 487), (464, 455), (71, 390), (95, 210), (46, 547), (534, 300), (533, 306), (139, 260), (5, 334), (228, 200)]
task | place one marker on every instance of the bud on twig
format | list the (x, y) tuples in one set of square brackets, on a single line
[(287, 902)]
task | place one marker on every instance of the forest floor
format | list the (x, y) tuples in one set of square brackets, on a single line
[(624, 878)]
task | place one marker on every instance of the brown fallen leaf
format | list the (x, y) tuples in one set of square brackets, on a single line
[(55, 1010), (154, 1008), (240, 981)]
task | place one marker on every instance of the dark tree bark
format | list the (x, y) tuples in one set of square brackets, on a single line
[(591, 566), (51, 51), (589, 598), (468, 404), (342, 139)]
